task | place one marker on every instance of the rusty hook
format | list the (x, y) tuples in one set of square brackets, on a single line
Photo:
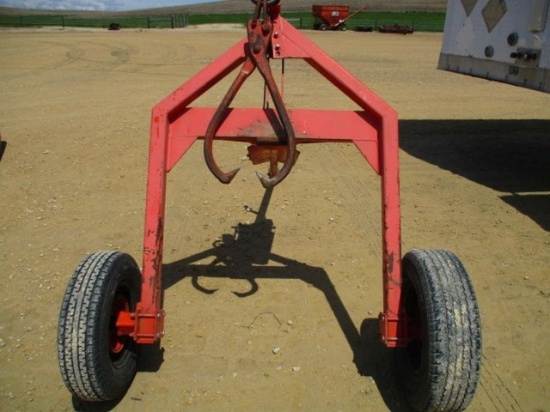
[(215, 123), (259, 38)]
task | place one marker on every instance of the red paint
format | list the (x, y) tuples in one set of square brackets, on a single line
[(176, 126)]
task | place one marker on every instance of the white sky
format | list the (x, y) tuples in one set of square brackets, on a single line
[(99, 5)]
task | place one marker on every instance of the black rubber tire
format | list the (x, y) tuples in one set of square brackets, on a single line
[(93, 370), (439, 369), (342, 27)]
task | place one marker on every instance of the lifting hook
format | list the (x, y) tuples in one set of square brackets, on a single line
[(256, 52)]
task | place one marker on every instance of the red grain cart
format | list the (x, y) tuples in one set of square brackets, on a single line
[(332, 17)]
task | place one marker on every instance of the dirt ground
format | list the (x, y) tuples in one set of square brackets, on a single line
[(475, 178)]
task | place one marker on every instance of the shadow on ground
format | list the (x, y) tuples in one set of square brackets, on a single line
[(246, 253), (508, 156), (150, 358), (3, 145)]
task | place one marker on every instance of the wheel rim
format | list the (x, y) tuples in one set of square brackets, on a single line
[(117, 342)]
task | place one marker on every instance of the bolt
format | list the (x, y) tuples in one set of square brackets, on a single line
[(512, 39)]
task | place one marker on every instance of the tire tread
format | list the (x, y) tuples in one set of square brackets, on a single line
[(79, 336), (454, 331)]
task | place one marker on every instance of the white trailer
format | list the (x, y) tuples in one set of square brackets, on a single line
[(503, 40)]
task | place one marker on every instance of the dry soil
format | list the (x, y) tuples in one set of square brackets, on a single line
[(475, 179)]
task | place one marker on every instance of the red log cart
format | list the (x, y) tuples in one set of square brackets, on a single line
[(430, 317)]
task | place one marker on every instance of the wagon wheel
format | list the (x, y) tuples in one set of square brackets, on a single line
[(96, 363), (343, 27), (322, 26), (439, 368)]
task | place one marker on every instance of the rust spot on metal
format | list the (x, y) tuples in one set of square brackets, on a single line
[(389, 262), (266, 153)]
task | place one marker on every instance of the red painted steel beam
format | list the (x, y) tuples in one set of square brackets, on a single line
[(149, 314), (175, 125), (290, 43), (256, 125)]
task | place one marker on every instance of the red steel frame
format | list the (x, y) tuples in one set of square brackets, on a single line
[(175, 126)]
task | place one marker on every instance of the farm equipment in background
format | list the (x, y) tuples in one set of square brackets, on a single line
[(396, 28), (364, 28), (430, 317), (332, 17)]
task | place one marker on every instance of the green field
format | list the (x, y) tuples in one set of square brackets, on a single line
[(420, 21)]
